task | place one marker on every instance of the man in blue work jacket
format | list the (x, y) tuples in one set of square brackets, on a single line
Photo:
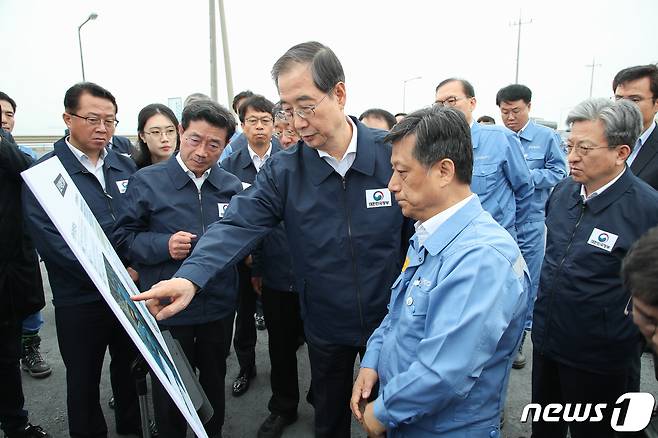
[(443, 353), (584, 340), (168, 207), (86, 327), (548, 166), (501, 178), (345, 231)]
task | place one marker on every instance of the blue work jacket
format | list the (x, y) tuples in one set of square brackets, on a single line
[(501, 178), (345, 255), (579, 317), (69, 282), (271, 259), (160, 201), (547, 164), (444, 351)]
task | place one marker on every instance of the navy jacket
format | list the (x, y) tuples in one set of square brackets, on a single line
[(69, 282), (271, 260), (345, 255), (579, 313), (161, 200)]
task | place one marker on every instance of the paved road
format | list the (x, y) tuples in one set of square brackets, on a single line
[(46, 399)]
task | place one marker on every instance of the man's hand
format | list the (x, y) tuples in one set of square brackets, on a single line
[(180, 244), (168, 297), (371, 424), (134, 275), (361, 390), (248, 261), (257, 285)]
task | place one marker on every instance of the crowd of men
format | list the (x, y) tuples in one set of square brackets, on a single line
[(428, 244)]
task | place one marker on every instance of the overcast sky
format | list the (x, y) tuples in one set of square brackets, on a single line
[(147, 51)]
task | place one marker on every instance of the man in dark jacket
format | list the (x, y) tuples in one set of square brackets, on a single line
[(168, 207), (21, 290), (583, 340), (85, 325)]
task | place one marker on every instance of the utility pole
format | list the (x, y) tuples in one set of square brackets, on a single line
[(227, 57), (213, 51), (518, 44), (593, 65)]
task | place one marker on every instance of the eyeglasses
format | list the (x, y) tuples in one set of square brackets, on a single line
[(305, 112), (451, 101), (583, 150), (253, 121), (195, 141), (95, 121), (287, 132), (169, 132)]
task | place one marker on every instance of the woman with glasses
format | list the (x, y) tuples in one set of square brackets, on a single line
[(157, 139)]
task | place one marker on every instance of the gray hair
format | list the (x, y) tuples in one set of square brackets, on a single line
[(441, 132), (195, 97), (622, 119), (325, 67)]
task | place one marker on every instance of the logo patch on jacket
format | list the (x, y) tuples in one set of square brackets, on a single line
[(378, 198), (222, 206), (602, 239), (122, 185)]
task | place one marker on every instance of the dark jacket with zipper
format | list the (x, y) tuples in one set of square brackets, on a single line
[(579, 317), (345, 255), (160, 201), (21, 289), (69, 282)]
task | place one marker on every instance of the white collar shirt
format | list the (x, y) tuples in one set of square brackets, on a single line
[(197, 180), (94, 169), (429, 227), (586, 198), (343, 165), (256, 159), (639, 143)]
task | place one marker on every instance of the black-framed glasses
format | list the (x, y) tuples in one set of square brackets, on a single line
[(253, 121), (95, 121), (634, 99), (305, 112)]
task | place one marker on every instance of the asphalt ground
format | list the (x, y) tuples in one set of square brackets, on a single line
[(45, 399)]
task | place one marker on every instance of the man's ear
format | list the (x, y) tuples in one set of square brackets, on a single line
[(623, 152), (443, 171)]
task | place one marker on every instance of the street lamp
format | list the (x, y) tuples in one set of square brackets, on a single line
[(404, 91), (92, 16)]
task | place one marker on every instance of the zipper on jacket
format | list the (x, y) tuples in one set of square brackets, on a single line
[(556, 275), (203, 224), (354, 267), (108, 197)]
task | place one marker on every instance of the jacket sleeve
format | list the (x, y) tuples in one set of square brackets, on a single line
[(555, 166), (469, 310), (518, 174), (47, 240), (131, 236), (251, 214), (12, 159)]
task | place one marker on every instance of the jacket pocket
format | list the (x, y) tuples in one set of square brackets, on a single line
[(484, 177)]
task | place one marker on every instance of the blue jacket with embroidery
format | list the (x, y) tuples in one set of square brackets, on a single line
[(444, 351), (69, 282), (345, 255), (579, 315), (160, 201)]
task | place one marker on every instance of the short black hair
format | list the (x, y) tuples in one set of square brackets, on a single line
[(486, 119), (238, 97), (468, 89), (379, 113), (441, 133), (72, 96), (400, 114), (512, 93), (213, 113), (639, 269), (326, 69), (638, 72), (257, 103), (12, 102)]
